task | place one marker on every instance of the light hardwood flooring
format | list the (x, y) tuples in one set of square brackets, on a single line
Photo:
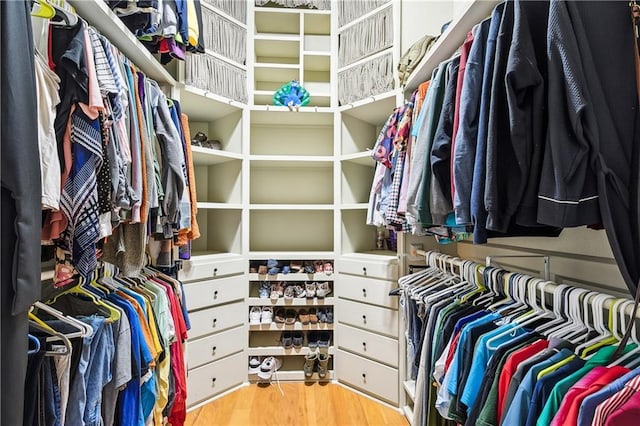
[(302, 404)]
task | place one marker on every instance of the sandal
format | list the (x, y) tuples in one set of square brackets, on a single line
[(308, 268), (313, 316), (286, 269), (280, 316), (290, 317), (328, 268), (303, 315)]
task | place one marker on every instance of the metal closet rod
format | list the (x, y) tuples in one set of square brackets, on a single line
[(549, 287), (488, 260)]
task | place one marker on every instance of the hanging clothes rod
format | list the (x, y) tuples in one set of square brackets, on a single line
[(549, 288), (545, 262)]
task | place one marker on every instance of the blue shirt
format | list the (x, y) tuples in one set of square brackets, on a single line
[(478, 211), (129, 397), (517, 410), (481, 356), (452, 387), (590, 403), (545, 386)]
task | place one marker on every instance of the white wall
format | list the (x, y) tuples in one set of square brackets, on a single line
[(420, 17)]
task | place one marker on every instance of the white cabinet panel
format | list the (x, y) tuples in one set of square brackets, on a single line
[(214, 292), (373, 318), (367, 344), (215, 319), (209, 380), (214, 347), (366, 290), (198, 270), (368, 376)]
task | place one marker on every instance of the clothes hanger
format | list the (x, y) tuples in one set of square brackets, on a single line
[(631, 357), (581, 310), (605, 336), (36, 342), (43, 9), (80, 290), (83, 330), (63, 17), (53, 336), (558, 312)]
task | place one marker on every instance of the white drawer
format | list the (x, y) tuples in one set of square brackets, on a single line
[(212, 379), (369, 376), (368, 266), (214, 347), (201, 294), (317, 43), (380, 348), (212, 320), (372, 318), (200, 269), (366, 290)]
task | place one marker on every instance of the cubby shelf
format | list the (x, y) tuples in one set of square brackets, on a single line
[(257, 301), (374, 109), (275, 326), (354, 206), (281, 351), (219, 206), (207, 156), (202, 105), (109, 25), (290, 277), (290, 255), (410, 388), (297, 376), (363, 158)]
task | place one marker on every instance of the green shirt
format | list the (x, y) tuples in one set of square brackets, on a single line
[(600, 358)]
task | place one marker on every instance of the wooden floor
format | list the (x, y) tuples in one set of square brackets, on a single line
[(302, 404)]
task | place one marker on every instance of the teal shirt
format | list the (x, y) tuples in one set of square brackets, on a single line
[(600, 358)]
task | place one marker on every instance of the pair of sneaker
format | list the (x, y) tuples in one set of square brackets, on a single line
[(319, 290), (316, 361), (260, 315), (264, 368)]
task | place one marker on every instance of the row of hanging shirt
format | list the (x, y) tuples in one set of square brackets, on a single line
[(109, 351), (168, 27), (489, 351), (115, 154)]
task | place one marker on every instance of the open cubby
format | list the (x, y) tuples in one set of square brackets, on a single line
[(300, 183), (317, 23), (267, 22), (291, 230), (356, 182), (357, 236), (291, 140), (357, 135), (227, 130), (219, 183), (220, 232)]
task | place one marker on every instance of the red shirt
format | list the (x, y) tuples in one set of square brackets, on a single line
[(593, 381), (509, 369)]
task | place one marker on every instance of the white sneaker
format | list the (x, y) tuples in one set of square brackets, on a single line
[(254, 315), (254, 364), (269, 366), (267, 315)]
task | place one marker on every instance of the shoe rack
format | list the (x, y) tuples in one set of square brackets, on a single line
[(285, 317)]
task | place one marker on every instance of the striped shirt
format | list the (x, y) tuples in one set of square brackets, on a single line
[(612, 403)]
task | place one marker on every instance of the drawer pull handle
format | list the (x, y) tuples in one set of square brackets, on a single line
[(213, 381), (364, 270), (215, 271), (364, 292), (364, 318), (364, 345), (213, 349), (215, 294), (364, 377), (215, 320)]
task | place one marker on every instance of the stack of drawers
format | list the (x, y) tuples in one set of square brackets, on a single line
[(367, 329), (215, 289)]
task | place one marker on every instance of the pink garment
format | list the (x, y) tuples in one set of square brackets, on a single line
[(605, 410), (594, 380), (626, 415), (95, 97)]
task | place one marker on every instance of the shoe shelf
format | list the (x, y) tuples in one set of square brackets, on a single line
[(295, 375), (298, 326), (291, 277), (281, 351), (257, 301)]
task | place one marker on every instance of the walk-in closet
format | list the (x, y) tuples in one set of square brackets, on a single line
[(305, 212)]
